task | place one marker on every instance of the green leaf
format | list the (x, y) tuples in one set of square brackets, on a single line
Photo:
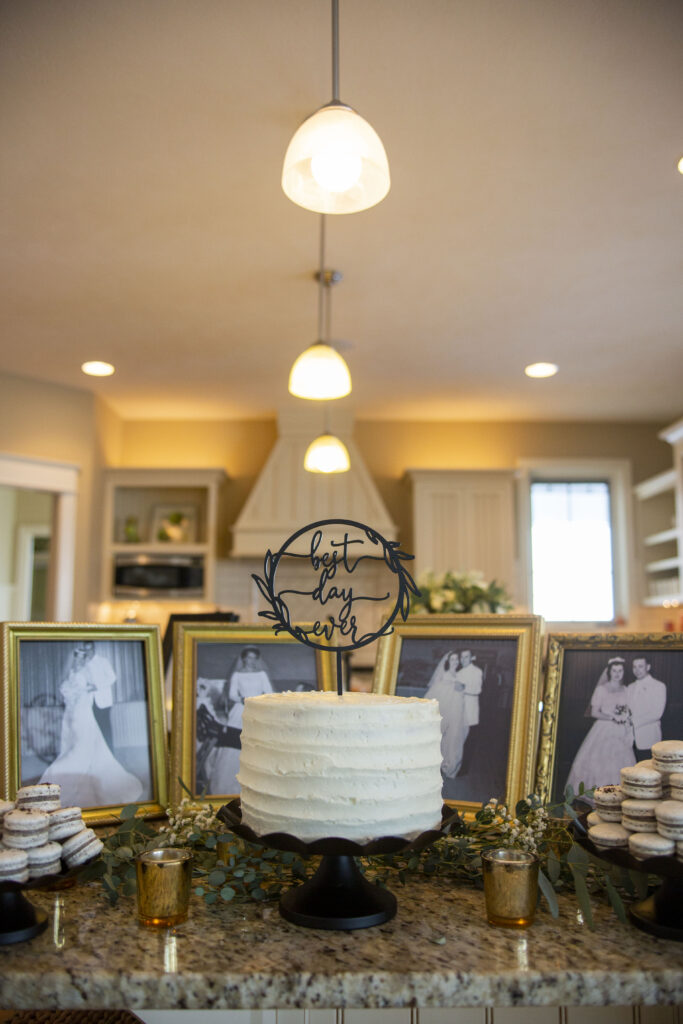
[(216, 877), (578, 856), (549, 893), (211, 897), (227, 893), (639, 880), (616, 900), (124, 853), (129, 811), (199, 890), (582, 896), (553, 866)]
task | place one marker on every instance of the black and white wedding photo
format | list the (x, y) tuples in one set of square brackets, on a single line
[(615, 701), (84, 719), (473, 681)]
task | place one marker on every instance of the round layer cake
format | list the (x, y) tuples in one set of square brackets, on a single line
[(359, 766)]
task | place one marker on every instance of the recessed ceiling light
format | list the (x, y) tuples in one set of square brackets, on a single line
[(680, 165), (97, 369), (541, 369)]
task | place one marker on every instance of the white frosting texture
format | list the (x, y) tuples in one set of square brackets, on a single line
[(359, 766)]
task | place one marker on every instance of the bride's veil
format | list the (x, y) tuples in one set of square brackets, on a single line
[(438, 673)]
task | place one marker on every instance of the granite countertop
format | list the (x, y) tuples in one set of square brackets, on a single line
[(246, 956)]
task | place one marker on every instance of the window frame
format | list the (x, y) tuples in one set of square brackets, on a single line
[(617, 473)]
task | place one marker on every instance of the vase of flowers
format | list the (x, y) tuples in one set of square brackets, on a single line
[(459, 592)]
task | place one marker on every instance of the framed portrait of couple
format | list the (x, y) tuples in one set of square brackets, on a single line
[(485, 672), (607, 699), (83, 707), (216, 666)]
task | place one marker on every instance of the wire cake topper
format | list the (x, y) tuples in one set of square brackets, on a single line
[(323, 557)]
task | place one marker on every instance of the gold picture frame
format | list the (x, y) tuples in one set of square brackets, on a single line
[(83, 706), (575, 665), (421, 653), (205, 727)]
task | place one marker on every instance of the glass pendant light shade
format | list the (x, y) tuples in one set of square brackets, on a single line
[(327, 454), (336, 163), (320, 373)]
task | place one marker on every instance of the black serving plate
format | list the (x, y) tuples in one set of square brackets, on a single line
[(337, 897), (661, 913), (20, 919)]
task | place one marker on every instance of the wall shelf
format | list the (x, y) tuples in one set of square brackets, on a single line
[(142, 502), (661, 512)]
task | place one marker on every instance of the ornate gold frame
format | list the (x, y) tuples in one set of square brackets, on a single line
[(186, 636), (527, 630), (558, 643), (13, 634)]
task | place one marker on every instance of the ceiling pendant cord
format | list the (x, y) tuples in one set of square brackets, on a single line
[(322, 320), (335, 51)]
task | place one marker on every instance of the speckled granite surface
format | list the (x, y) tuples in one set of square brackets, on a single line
[(232, 957)]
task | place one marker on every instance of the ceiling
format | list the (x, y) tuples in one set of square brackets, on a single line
[(535, 211)]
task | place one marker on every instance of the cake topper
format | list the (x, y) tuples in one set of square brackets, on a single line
[(316, 565)]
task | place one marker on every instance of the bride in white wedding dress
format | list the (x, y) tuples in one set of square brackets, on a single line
[(86, 769), (450, 693)]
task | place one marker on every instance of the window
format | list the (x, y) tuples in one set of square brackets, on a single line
[(572, 571), (575, 539)]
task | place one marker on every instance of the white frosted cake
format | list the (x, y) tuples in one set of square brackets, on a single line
[(359, 766)]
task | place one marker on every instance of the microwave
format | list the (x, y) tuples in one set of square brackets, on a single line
[(160, 576)]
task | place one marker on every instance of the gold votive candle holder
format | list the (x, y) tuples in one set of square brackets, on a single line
[(510, 887), (163, 887)]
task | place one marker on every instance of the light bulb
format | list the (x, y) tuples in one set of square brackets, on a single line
[(541, 369), (95, 368), (336, 170), (327, 454), (320, 373), (335, 163)]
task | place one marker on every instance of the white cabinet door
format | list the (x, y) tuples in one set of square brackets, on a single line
[(465, 520)]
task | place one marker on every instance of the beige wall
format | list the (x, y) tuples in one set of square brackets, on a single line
[(390, 448), (69, 425)]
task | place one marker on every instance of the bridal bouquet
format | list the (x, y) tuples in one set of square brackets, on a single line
[(459, 592), (622, 715)]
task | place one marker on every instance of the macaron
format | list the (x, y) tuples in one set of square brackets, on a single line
[(669, 814), (608, 802), (65, 822), (641, 783), (13, 866), (22, 830), (667, 755), (44, 860), (81, 848), (45, 796), (608, 834), (650, 844), (676, 784), (639, 815), (594, 819), (5, 807)]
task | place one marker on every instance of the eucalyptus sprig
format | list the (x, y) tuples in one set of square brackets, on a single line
[(227, 868), (224, 867)]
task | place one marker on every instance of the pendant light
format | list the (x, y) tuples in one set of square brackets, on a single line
[(320, 372), (336, 162), (327, 454)]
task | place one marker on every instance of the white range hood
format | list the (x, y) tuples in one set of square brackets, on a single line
[(286, 497)]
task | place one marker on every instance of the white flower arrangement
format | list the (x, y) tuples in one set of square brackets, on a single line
[(459, 592)]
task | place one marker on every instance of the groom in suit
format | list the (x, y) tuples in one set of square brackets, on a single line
[(646, 698), (101, 679), (472, 677)]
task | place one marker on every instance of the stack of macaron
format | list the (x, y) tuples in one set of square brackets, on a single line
[(645, 812), (38, 835)]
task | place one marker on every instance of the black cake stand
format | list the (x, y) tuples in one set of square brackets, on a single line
[(660, 913), (19, 918), (337, 897)]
